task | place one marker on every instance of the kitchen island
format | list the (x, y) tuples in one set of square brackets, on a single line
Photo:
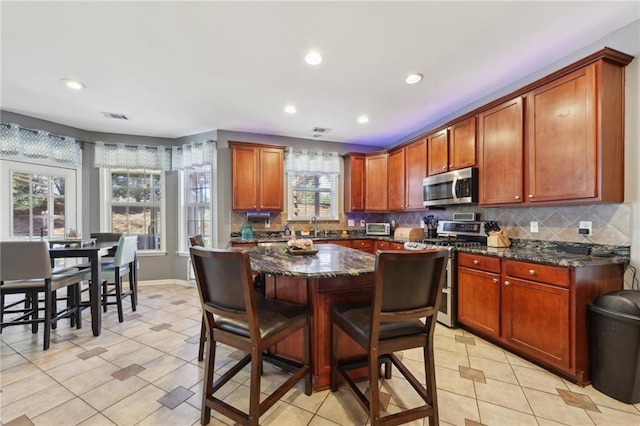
[(334, 275)]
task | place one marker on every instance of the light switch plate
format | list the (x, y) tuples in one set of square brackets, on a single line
[(351, 222), (362, 222), (533, 226)]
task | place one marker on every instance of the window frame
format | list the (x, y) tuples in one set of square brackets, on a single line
[(335, 193), (183, 246), (106, 205)]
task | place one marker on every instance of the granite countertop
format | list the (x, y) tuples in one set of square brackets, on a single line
[(549, 253), (330, 261), (276, 238)]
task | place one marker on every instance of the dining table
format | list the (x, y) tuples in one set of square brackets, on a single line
[(93, 251)]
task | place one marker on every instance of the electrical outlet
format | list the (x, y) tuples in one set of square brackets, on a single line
[(533, 226), (351, 222), (362, 223), (584, 227), (421, 223), (267, 224)]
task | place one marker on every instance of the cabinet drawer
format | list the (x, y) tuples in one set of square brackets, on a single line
[(476, 261), (536, 272), (363, 244), (383, 245)]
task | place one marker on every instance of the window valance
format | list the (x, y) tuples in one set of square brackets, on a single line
[(311, 162), (122, 156), (194, 154), (28, 143)]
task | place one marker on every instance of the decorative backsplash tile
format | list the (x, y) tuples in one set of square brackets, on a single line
[(611, 223)]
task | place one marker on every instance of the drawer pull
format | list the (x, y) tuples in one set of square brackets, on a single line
[(507, 283), (532, 272), (476, 261), (495, 280), (517, 197)]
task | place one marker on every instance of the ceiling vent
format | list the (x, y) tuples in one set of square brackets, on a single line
[(321, 130), (115, 116)]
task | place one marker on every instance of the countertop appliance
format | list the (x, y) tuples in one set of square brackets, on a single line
[(380, 228), (408, 234), (451, 234), (456, 187)]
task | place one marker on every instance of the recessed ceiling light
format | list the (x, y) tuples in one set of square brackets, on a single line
[(413, 78), (290, 109), (73, 84), (313, 58), (363, 119)]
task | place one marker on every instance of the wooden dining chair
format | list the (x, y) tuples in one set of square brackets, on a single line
[(406, 299), (198, 241), (124, 264), (235, 317), (26, 270)]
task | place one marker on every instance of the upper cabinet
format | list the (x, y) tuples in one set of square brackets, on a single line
[(501, 148), (257, 176), (573, 148), (375, 182), (452, 148), (407, 167), (354, 182), (396, 180)]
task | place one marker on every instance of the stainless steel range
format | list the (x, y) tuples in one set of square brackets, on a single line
[(451, 234)]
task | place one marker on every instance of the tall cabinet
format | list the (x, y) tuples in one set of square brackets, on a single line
[(257, 176), (353, 182)]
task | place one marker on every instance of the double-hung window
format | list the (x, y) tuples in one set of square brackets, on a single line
[(198, 217), (135, 205), (312, 184)]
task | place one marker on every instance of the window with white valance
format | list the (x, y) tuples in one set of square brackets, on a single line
[(124, 156), (312, 184), (37, 144)]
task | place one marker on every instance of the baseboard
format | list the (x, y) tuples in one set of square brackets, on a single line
[(167, 282)]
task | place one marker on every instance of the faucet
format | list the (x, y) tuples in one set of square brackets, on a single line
[(314, 222)]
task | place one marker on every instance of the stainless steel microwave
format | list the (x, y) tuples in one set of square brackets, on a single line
[(456, 187)]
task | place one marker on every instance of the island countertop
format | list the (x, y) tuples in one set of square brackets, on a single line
[(330, 261)]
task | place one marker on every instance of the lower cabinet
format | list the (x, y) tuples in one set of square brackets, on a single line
[(364, 245), (538, 311)]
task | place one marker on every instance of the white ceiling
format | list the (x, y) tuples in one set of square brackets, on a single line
[(180, 68)]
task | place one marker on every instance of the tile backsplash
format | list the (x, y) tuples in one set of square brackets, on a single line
[(611, 223)]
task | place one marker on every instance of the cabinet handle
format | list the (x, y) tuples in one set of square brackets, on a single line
[(495, 280), (517, 197), (450, 166), (532, 272), (444, 168), (507, 283), (530, 195), (475, 261)]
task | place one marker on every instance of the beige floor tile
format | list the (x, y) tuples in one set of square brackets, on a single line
[(111, 392), (97, 420), (16, 373), (486, 351), (284, 413), (187, 351), (454, 408), (341, 407), (552, 407), (77, 366), (392, 409), (516, 360), (296, 396), (39, 402), (538, 379), (449, 344), (611, 417), (402, 393), (494, 369), (496, 415), (602, 400), (185, 376), (159, 367), (451, 381), (164, 340), (82, 382), (25, 387), (321, 421), (71, 412), (130, 352), (503, 394), (183, 414), (11, 360), (106, 339), (547, 422), (451, 360), (135, 407)]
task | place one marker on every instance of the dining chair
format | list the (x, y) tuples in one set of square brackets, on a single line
[(124, 263), (197, 240), (402, 315), (235, 317), (26, 270)]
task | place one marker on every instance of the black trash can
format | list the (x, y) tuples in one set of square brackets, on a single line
[(615, 345)]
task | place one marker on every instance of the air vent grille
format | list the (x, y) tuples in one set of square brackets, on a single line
[(321, 130), (115, 115)]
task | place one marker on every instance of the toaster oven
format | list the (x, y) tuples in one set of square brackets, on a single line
[(378, 229)]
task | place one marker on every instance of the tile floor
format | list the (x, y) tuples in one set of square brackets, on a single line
[(145, 372)]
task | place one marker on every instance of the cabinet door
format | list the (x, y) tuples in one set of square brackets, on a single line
[(416, 170), (479, 300), (244, 170), (437, 154), (536, 320), (462, 144), (501, 154), (562, 138), (396, 180), (271, 179), (354, 183), (376, 182)]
